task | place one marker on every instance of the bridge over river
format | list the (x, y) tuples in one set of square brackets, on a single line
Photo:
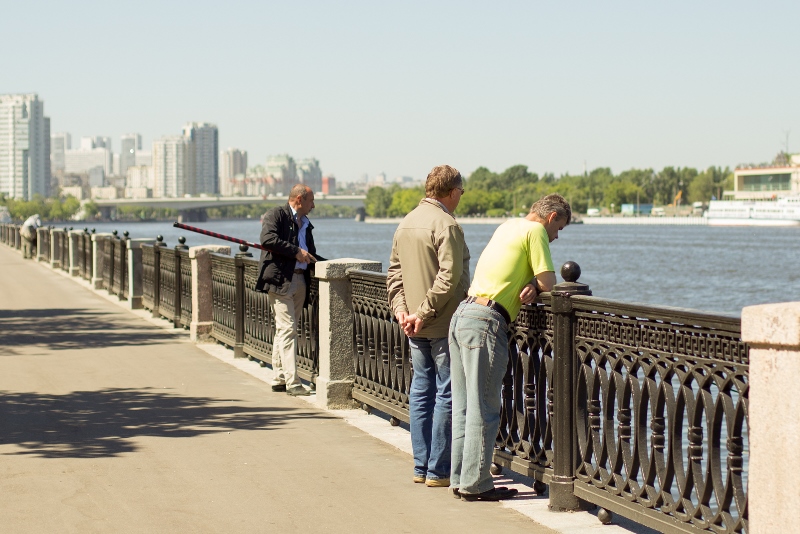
[(192, 209)]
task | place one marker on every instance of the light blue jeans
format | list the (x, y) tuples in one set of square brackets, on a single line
[(430, 407), (479, 358)]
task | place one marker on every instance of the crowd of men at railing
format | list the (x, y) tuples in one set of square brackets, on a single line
[(640, 410)]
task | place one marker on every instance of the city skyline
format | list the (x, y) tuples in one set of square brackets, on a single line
[(397, 89)]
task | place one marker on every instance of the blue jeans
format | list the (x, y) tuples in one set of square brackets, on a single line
[(430, 407), (479, 352)]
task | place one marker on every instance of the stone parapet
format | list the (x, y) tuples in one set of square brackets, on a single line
[(336, 372), (773, 332), (202, 300)]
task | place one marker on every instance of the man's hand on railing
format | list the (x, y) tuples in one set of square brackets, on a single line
[(528, 294), (304, 257)]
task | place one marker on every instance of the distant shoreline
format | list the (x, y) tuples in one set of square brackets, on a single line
[(661, 221)]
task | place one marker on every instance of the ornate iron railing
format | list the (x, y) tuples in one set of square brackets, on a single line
[(643, 409), (223, 290), (167, 279), (109, 246), (185, 270), (119, 284), (661, 415), (65, 250), (148, 276), (55, 259), (88, 255), (380, 349)]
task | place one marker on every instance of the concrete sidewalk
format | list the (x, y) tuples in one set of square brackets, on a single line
[(110, 424)]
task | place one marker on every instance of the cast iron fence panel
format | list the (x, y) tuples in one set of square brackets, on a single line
[(109, 244), (525, 438), (120, 285), (88, 255), (259, 325), (166, 290), (43, 238), (186, 288), (662, 419), (148, 276), (56, 252), (380, 348), (65, 252), (223, 290)]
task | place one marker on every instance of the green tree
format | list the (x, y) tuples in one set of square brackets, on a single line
[(404, 201), (378, 201)]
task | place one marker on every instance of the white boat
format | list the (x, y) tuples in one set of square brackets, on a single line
[(785, 211)]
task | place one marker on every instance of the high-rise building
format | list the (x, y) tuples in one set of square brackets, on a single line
[(329, 185), (309, 173), (24, 146), (59, 143), (130, 144), (205, 147), (173, 166), (81, 160), (234, 162), (283, 170)]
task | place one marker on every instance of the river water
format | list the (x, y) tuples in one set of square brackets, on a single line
[(718, 269)]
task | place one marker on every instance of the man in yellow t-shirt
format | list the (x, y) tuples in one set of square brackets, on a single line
[(513, 268)]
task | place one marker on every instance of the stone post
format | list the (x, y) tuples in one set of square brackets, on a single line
[(134, 270), (202, 305), (336, 371), (773, 332), (97, 261)]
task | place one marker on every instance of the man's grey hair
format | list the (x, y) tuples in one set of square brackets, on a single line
[(552, 203), (299, 190)]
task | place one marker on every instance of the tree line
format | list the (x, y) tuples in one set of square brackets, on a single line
[(49, 209), (514, 190)]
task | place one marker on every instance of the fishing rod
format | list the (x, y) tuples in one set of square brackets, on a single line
[(218, 236)]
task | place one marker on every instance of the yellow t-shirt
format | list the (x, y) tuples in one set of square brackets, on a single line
[(518, 251)]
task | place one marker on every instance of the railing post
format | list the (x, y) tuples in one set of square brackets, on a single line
[(773, 487), (98, 246), (176, 321), (202, 297), (565, 439), (72, 238), (157, 246), (238, 320), (53, 259), (336, 370)]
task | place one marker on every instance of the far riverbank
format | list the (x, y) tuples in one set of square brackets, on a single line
[(496, 221)]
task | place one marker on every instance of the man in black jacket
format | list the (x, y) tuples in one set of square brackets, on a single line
[(284, 274)]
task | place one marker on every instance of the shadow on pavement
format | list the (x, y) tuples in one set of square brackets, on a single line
[(104, 423), (72, 328)]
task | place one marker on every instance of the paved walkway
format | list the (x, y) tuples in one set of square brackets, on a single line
[(110, 422)]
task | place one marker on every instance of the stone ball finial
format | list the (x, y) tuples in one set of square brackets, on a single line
[(570, 271), (115, 233), (70, 228), (243, 248), (93, 230), (181, 240), (85, 229), (125, 233), (160, 238)]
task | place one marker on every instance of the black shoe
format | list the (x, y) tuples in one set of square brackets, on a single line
[(279, 387), (456, 493), (494, 494)]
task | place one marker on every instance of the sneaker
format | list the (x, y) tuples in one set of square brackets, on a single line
[(438, 482), (494, 494), (297, 391), (419, 479)]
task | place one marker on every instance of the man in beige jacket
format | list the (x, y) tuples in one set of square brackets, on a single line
[(428, 277)]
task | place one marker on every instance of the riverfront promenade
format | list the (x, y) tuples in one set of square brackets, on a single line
[(111, 424)]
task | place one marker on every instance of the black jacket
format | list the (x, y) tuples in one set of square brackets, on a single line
[(279, 235)]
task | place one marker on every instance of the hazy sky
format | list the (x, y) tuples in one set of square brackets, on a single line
[(399, 87)]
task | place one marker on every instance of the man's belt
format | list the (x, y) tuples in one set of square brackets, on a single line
[(489, 303), (299, 271)]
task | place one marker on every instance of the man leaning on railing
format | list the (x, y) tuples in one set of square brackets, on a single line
[(513, 268)]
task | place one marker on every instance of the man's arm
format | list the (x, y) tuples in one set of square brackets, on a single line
[(272, 239), (541, 283), (394, 286)]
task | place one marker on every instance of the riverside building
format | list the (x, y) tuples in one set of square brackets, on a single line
[(204, 139), (24, 146), (234, 163), (172, 166), (130, 145)]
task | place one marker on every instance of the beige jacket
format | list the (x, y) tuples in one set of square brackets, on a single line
[(429, 267)]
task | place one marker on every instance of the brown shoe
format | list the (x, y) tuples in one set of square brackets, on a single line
[(419, 479), (438, 482)]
